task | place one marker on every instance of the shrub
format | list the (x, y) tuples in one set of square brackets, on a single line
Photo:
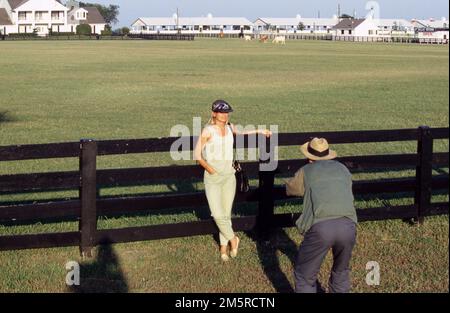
[(84, 29), (121, 31), (62, 34), (22, 35), (106, 32)]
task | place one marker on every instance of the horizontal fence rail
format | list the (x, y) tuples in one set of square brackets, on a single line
[(137, 176), (112, 147), (89, 179), (116, 206), (190, 36), (196, 228)]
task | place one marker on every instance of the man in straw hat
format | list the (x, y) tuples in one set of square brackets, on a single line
[(328, 220)]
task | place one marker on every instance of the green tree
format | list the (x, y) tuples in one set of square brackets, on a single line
[(109, 13), (121, 31), (346, 16), (107, 31), (84, 29), (301, 26)]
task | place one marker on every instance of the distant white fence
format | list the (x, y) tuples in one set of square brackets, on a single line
[(331, 37)]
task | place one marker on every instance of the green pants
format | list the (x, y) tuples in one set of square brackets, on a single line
[(220, 190)]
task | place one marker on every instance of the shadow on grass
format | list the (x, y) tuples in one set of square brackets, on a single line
[(202, 213), (269, 255), (6, 117), (103, 275), (441, 171), (269, 251)]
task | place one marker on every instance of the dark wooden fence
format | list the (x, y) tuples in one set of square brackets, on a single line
[(89, 205), (25, 36), (189, 37)]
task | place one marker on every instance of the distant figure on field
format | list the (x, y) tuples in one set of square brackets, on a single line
[(279, 39), (264, 38)]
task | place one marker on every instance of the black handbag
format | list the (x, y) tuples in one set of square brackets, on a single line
[(242, 184)]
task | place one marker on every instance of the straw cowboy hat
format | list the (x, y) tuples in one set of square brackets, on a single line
[(317, 149)]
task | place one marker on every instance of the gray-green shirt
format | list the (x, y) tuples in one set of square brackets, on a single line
[(327, 190)]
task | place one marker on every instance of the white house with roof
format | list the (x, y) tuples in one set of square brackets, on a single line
[(356, 27), (192, 25), (84, 15), (297, 24), (26, 16), (6, 24)]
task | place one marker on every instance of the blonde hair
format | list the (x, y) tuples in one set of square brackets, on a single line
[(212, 119)]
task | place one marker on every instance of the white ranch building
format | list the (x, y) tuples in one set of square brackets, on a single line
[(394, 27), (356, 27), (192, 25), (25, 16), (431, 23), (428, 31), (296, 24)]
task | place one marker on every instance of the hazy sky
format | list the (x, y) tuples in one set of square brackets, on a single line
[(251, 9)]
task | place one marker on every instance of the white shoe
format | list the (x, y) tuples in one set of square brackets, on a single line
[(234, 252), (224, 257)]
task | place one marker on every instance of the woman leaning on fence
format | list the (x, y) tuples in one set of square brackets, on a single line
[(214, 152)]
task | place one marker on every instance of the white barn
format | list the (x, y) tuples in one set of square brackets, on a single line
[(319, 25), (296, 25), (276, 24), (394, 27), (192, 25)]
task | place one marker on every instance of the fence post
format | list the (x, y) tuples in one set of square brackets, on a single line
[(424, 173), (266, 201), (88, 196)]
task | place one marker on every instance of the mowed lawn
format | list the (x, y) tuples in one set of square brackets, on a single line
[(64, 91)]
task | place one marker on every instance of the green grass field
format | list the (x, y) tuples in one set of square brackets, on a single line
[(64, 91)]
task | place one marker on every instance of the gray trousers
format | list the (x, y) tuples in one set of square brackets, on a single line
[(336, 234)]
